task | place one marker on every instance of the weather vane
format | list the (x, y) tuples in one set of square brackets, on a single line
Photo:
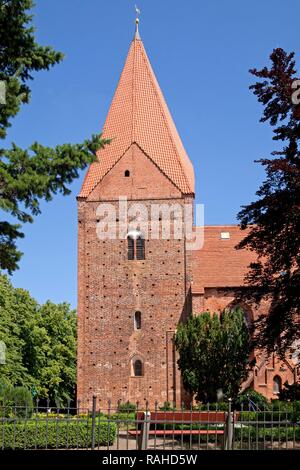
[(137, 20), (138, 12)]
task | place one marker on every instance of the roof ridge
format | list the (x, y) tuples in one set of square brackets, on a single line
[(145, 57), (133, 127)]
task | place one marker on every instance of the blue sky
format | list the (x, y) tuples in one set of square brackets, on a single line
[(201, 53)]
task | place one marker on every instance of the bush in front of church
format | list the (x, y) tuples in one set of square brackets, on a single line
[(214, 353)]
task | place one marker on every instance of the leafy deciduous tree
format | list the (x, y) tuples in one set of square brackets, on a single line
[(40, 344)]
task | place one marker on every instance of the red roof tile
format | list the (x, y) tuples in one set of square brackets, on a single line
[(139, 114), (218, 263)]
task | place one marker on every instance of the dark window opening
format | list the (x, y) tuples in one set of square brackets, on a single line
[(127, 174), (137, 320), (138, 368), (136, 248), (130, 248), (277, 384), (140, 248)]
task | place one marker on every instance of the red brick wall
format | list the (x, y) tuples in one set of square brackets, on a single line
[(146, 181), (111, 289)]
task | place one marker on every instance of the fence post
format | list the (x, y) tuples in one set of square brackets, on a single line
[(94, 421), (228, 434), (145, 428)]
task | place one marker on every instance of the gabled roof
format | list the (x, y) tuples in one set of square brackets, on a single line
[(139, 114)]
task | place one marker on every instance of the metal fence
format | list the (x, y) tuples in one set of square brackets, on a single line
[(140, 426)]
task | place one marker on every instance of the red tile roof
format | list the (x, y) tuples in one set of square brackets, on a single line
[(139, 114), (218, 263)]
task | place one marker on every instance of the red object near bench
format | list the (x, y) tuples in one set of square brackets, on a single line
[(147, 423)]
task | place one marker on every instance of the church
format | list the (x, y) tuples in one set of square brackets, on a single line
[(134, 289)]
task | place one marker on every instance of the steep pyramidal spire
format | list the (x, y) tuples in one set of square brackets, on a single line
[(139, 114)]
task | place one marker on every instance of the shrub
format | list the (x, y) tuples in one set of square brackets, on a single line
[(243, 400), (290, 392), (44, 415), (22, 399), (213, 354), (122, 417), (253, 434), (55, 434), (16, 402), (277, 412), (167, 406), (219, 406), (5, 390), (126, 407)]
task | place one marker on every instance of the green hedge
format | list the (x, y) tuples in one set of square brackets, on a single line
[(267, 434), (54, 434), (275, 416), (15, 401), (126, 407), (123, 418), (248, 436)]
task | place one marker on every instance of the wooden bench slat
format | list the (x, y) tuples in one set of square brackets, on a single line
[(178, 432), (182, 416)]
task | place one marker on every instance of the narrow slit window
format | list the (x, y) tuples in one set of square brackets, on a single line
[(130, 242), (140, 248), (137, 321), (277, 384), (138, 368)]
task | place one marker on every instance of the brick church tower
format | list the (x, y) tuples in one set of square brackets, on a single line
[(139, 280), (133, 291)]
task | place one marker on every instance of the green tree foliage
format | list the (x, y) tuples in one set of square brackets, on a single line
[(290, 392), (29, 175), (213, 354), (41, 344), (17, 400), (251, 397), (273, 218)]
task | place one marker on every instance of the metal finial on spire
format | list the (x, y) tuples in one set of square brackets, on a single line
[(137, 21), (138, 12)]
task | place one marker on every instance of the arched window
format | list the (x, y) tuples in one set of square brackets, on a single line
[(140, 248), (138, 368), (127, 174), (136, 245), (137, 320), (277, 384), (130, 247)]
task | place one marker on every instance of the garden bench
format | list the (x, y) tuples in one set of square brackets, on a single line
[(164, 423)]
